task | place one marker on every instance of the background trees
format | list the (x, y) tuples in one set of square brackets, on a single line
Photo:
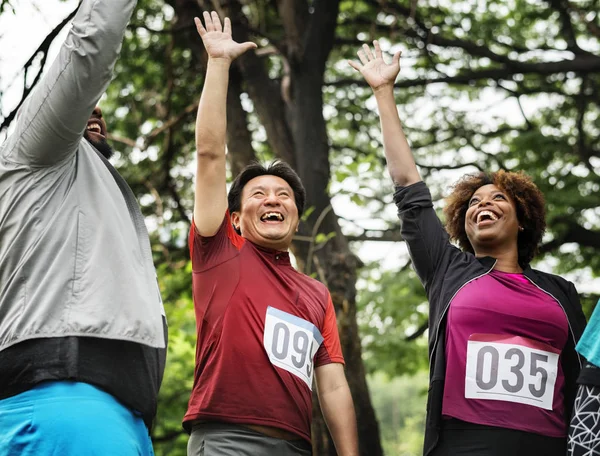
[(485, 85)]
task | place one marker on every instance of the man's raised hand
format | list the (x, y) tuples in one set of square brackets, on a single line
[(376, 72), (217, 39)]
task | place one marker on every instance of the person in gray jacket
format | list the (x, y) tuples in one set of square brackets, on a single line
[(82, 328)]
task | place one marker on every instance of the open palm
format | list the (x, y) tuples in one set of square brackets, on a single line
[(217, 39), (374, 69)]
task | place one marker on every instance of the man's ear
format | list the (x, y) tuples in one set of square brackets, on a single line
[(235, 221)]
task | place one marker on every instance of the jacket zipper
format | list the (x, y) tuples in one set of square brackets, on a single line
[(564, 311), (437, 334)]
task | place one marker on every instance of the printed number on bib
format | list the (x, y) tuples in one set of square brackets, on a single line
[(511, 368), (291, 343)]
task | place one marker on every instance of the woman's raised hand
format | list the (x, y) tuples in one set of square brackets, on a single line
[(373, 67)]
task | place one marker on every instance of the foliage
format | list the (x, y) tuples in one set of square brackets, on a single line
[(400, 405), (392, 316)]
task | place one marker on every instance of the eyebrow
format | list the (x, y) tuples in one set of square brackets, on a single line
[(495, 192), (262, 187)]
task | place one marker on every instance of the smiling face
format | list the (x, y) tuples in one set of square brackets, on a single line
[(95, 133), (268, 216), (491, 220)]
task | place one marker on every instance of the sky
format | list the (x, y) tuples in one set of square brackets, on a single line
[(20, 35)]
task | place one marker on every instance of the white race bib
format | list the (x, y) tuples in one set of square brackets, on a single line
[(511, 368), (291, 343)]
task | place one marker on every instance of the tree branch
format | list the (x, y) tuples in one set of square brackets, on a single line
[(294, 16), (418, 333), (582, 64), (573, 233), (43, 49), (567, 31)]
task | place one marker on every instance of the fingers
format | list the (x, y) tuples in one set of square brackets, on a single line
[(227, 26), (367, 51), (216, 21), (212, 23), (248, 45), (363, 58), (396, 58), (378, 53), (208, 22), (199, 26), (355, 65)]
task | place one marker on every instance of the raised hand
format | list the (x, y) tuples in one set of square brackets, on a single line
[(217, 39), (376, 72)]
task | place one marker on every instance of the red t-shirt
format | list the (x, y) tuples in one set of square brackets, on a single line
[(262, 328), (504, 337)]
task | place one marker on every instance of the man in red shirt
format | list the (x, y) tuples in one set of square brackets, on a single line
[(264, 329)]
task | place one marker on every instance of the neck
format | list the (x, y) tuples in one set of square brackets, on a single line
[(506, 260)]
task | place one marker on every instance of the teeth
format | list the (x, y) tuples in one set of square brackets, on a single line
[(486, 213), (94, 127), (267, 215)]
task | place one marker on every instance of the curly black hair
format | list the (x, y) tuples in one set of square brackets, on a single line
[(529, 201)]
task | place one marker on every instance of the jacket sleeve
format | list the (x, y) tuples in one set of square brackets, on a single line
[(427, 240), (52, 120), (580, 320)]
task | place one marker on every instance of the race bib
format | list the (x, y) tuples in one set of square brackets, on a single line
[(511, 368), (291, 343)]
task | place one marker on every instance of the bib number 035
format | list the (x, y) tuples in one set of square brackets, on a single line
[(513, 369), (291, 343)]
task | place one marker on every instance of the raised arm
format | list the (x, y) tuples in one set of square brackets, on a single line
[(211, 123), (52, 120), (381, 77)]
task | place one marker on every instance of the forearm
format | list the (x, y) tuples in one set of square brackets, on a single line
[(211, 121), (53, 119), (211, 126), (338, 411), (400, 161)]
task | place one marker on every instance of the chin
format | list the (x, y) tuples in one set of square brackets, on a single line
[(101, 146)]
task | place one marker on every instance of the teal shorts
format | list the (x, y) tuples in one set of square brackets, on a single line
[(70, 419)]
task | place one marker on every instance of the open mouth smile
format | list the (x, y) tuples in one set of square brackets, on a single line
[(95, 126), (486, 218), (272, 217)]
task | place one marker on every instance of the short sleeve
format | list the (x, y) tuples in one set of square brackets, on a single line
[(330, 350), (210, 251)]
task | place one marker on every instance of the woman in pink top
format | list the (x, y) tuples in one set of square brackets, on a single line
[(503, 365)]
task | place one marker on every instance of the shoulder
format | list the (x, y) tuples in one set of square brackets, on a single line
[(552, 279), (312, 283), (315, 291)]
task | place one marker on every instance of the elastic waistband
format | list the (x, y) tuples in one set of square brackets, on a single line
[(208, 427), (52, 391)]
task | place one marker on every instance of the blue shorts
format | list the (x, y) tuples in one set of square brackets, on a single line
[(70, 419)]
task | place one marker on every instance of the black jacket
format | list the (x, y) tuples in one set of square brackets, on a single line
[(444, 270)]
